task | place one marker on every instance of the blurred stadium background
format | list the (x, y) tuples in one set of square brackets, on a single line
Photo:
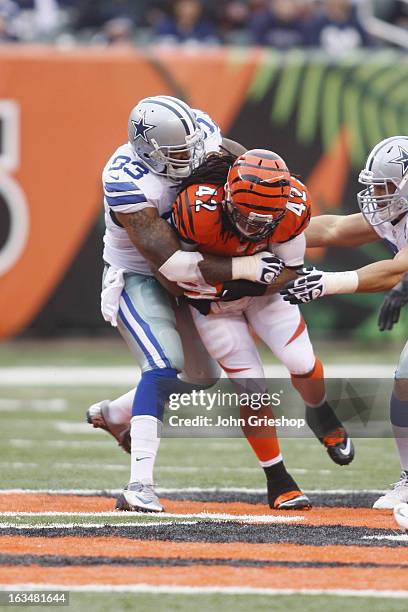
[(319, 81), (306, 78)]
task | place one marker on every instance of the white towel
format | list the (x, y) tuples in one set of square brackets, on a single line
[(113, 284)]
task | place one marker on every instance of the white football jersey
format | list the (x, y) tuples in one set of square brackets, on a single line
[(396, 236), (129, 186)]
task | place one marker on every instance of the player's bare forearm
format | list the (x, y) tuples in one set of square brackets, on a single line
[(278, 284), (233, 147), (339, 230), (383, 275), (171, 287), (215, 269), (151, 235), (157, 241)]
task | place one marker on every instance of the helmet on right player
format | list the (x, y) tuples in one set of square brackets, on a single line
[(256, 193), (385, 197)]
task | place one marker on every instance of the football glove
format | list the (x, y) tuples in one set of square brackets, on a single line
[(269, 268), (391, 307), (234, 290), (308, 287)]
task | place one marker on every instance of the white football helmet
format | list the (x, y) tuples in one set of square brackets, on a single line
[(385, 175), (164, 133)]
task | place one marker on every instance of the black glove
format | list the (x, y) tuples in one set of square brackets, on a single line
[(203, 306), (391, 307), (233, 290)]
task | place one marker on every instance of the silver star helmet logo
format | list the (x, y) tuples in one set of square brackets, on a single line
[(402, 159), (141, 128)]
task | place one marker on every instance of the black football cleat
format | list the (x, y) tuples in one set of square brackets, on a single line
[(291, 500), (339, 446), (283, 492)]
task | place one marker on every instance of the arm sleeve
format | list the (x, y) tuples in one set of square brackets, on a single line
[(291, 252)]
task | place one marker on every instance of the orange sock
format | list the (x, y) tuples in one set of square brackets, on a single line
[(311, 385), (263, 439)]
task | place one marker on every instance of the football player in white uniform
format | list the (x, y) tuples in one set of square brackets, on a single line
[(384, 206), (167, 140)]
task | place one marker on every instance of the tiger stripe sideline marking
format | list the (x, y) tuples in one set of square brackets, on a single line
[(395, 538)]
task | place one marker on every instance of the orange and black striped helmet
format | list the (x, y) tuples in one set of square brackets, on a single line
[(256, 193)]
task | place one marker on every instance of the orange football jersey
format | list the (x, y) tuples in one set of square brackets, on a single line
[(199, 218)]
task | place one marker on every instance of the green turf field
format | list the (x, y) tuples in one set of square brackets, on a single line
[(112, 351), (46, 444), (58, 450), (140, 602)]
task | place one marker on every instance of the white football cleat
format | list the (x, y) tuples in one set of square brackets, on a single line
[(139, 497), (401, 516), (397, 495)]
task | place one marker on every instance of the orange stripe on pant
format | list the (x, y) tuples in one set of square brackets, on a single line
[(263, 439), (311, 386)]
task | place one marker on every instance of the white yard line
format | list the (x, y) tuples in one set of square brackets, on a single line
[(183, 490), (248, 518), (129, 376), (93, 525), (25, 443), (72, 427), (395, 538), (34, 405), (167, 469), (20, 465), (185, 590)]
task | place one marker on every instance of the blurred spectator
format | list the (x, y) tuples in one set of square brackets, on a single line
[(187, 23), (338, 29), (232, 20), (282, 24), (9, 11), (399, 14), (92, 14), (117, 32), (277, 23), (46, 17)]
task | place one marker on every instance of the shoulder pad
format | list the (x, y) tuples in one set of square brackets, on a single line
[(196, 211), (207, 124), (298, 211)]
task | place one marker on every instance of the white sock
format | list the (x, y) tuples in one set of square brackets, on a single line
[(145, 432), (273, 461), (401, 440), (120, 409)]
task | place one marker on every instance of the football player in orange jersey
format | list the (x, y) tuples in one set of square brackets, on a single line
[(251, 206)]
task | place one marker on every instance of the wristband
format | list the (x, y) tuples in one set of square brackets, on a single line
[(245, 267), (340, 282)]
